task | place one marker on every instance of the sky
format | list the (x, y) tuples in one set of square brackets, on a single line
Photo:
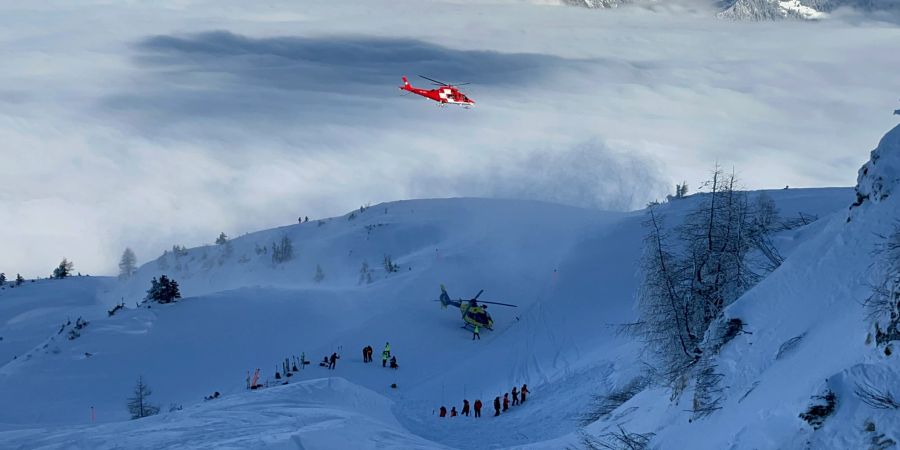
[(147, 124)]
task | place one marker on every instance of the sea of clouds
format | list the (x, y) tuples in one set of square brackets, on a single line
[(147, 124)]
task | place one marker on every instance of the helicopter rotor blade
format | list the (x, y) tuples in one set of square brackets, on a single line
[(440, 83), (478, 295), (498, 303)]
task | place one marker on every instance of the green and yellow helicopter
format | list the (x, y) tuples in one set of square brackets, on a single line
[(474, 312)]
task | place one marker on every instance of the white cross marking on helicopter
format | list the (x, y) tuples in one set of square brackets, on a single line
[(445, 94)]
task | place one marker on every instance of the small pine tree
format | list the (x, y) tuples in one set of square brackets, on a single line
[(320, 275), (127, 266), (19, 279), (222, 239), (138, 404), (63, 270), (365, 274), (282, 252), (389, 265), (2, 278), (163, 291)]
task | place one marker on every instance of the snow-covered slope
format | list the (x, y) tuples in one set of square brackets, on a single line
[(810, 333), (572, 272)]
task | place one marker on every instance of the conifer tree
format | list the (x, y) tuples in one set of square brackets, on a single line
[(64, 269), (138, 404), (127, 266), (320, 275)]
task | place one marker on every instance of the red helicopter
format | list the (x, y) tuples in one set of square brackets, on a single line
[(445, 93)]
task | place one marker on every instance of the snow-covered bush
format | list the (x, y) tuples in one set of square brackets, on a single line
[(604, 405), (884, 303), (75, 332), (824, 406)]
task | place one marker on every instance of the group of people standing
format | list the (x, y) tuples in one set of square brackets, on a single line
[(498, 404), (385, 356)]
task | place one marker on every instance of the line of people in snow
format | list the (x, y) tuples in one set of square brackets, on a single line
[(498, 404), (330, 362)]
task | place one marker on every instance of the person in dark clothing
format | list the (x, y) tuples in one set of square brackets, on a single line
[(505, 402), (453, 412), (515, 396), (365, 354), (496, 406), (465, 410), (477, 408), (443, 412), (394, 363), (524, 392), (332, 360)]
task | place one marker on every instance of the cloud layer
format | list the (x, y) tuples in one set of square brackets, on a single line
[(150, 124)]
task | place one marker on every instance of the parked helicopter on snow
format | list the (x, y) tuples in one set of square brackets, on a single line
[(473, 313), (444, 94)]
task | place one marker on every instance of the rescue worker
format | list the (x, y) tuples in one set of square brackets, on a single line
[(443, 412), (496, 406), (524, 392), (475, 334), (453, 412), (505, 401), (394, 362), (465, 410), (515, 396), (477, 408), (332, 360), (384, 359), (387, 348)]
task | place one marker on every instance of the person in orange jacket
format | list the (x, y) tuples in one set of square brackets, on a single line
[(505, 401), (453, 412), (524, 392), (443, 412), (477, 408)]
